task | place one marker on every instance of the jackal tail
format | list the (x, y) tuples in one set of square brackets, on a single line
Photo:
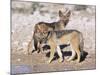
[(81, 44)]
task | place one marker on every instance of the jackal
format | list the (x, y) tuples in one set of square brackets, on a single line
[(56, 38), (43, 26)]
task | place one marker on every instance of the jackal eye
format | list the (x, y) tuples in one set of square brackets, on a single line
[(43, 39), (44, 33)]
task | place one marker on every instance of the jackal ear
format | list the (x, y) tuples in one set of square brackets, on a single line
[(68, 13), (60, 13)]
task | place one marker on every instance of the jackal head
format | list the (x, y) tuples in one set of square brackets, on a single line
[(64, 16), (40, 32)]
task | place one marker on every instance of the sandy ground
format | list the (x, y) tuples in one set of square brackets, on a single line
[(37, 63)]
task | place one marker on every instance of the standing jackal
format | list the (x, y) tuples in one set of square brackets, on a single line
[(56, 38), (43, 26)]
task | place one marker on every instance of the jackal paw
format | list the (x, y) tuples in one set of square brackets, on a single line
[(29, 53), (48, 62), (69, 60), (38, 51), (77, 60), (60, 60)]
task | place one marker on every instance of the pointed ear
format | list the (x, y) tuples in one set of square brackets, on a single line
[(68, 13), (60, 13)]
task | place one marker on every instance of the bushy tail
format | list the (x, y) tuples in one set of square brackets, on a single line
[(81, 44)]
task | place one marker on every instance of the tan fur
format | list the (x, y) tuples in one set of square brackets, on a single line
[(43, 26), (73, 38)]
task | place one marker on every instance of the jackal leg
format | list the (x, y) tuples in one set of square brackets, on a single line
[(78, 55), (75, 50), (52, 52), (38, 47), (29, 47), (73, 55), (60, 54)]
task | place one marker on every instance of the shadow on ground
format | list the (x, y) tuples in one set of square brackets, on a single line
[(65, 53)]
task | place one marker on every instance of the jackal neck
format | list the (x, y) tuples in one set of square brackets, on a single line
[(62, 22)]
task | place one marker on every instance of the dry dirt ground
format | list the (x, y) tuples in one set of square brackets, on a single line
[(36, 63)]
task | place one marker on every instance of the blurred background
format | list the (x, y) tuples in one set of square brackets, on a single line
[(24, 15)]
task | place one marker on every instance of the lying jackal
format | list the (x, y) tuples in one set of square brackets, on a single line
[(43, 26), (55, 38)]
